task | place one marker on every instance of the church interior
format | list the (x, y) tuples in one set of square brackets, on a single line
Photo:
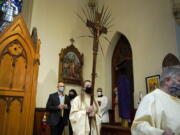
[(141, 38)]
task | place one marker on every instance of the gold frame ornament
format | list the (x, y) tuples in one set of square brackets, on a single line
[(152, 82), (70, 65)]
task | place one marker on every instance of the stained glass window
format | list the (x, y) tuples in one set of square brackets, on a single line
[(6, 14), (17, 2), (1, 1)]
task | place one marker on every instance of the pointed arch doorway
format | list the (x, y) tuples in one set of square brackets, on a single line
[(122, 79)]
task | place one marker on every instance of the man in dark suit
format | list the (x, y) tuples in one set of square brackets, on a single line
[(58, 106)]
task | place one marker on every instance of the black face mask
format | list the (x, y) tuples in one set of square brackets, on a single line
[(88, 90), (71, 96), (175, 90)]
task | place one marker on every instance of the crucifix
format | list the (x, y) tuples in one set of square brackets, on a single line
[(72, 41), (98, 22)]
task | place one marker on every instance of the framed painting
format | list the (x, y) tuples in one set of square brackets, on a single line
[(152, 82), (70, 65)]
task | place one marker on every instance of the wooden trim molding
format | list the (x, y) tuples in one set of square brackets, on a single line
[(40, 109), (10, 99)]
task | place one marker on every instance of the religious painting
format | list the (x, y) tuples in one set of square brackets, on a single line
[(70, 65), (152, 82)]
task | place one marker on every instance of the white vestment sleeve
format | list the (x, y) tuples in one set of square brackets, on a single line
[(78, 118), (98, 122), (104, 105), (148, 118), (80, 121)]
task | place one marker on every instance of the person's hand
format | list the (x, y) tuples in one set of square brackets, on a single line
[(60, 106), (65, 106), (168, 132), (90, 109), (92, 114), (99, 102)]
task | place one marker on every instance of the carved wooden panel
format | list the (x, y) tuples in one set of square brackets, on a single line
[(13, 58), (19, 63), (5, 77), (14, 117), (10, 99), (3, 116)]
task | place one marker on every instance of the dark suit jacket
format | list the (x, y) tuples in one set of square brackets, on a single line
[(55, 113)]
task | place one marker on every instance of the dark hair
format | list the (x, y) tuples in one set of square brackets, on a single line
[(99, 89), (74, 91), (85, 82), (60, 82)]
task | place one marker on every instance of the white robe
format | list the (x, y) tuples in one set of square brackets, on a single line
[(79, 119), (104, 108), (157, 112)]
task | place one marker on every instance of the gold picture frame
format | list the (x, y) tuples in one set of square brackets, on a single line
[(70, 65), (152, 82)]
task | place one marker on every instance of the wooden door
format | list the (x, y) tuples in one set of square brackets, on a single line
[(19, 62), (122, 59)]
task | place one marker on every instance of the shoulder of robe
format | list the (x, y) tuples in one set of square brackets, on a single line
[(149, 98)]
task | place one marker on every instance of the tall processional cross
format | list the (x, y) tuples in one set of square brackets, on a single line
[(97, 29)]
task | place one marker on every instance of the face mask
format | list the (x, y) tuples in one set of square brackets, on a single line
[(88, 90), (61, 89), (71, 96), (175, 90), (99, 94)]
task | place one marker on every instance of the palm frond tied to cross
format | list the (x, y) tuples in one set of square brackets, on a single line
[(98, 22)]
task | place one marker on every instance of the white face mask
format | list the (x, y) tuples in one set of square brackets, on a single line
[(61, 89), (99, 93)]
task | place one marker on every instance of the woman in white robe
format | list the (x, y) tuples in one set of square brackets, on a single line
[(81, 111)]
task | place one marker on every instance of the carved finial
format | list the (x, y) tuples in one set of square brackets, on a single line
[(34, 36), (72, 41)]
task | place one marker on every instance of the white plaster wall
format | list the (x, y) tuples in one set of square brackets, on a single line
[(27, 11), (150, 28), (148, 25)]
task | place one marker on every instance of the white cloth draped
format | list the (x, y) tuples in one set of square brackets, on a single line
[(79, 119), (157, 112), (104, 108)]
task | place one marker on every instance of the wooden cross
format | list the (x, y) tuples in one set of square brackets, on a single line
[(97, 29), (72, 41), (96, 26)]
